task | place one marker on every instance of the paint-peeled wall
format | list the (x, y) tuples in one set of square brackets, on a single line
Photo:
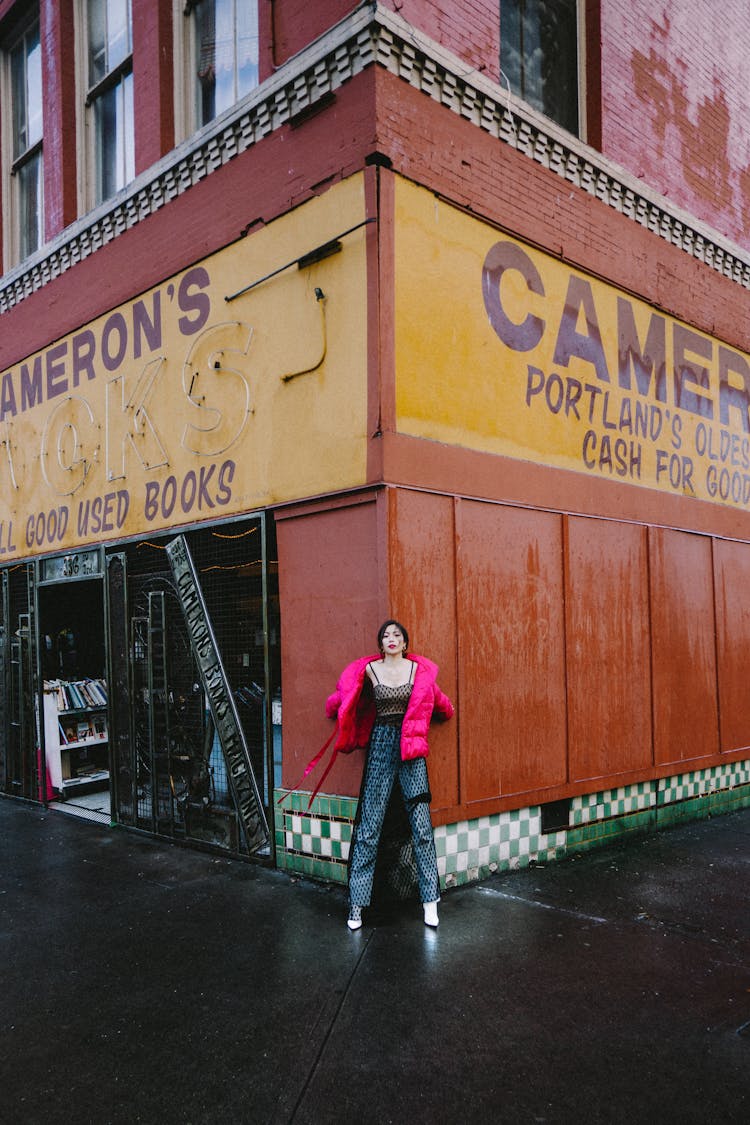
[(238, 383), (528, 358), (674, 103), (468, 28)]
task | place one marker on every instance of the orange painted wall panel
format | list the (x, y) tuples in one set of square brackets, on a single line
[(581, 653), (511, 650), (328, 582), (732, 583), (422, 583), (686, 717), (608, 648)]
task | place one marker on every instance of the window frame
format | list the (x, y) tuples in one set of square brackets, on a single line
[(581, 73), (90, 193), (185, 100), (13, 165)]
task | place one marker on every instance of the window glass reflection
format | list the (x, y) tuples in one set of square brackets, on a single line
[(539, 56), (225, 63)]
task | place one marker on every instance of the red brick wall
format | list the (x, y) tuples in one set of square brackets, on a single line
[(267, 180), (470, 28), (666, 91), (153, 86), (428, 143), (56, 30), (672, 81), (674, 109), (292, 24), (431, 145)]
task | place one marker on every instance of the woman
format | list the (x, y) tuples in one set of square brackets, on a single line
[(385, 702)]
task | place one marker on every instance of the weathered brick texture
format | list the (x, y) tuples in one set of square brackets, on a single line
[(470, 28), (674, 103)]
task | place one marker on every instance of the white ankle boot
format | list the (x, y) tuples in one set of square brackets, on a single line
[(430, 913), (354, 921)]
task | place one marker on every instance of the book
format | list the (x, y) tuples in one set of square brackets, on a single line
[(74, 700), (84, 730), (99, 691), (78, 695)]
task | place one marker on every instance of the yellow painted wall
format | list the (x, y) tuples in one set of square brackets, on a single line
[(178, 407), (504, 349)]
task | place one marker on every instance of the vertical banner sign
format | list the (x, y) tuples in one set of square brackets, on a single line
[(121, 745), (220, 698)]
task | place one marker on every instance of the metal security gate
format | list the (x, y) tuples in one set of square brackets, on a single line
[(20, 769), (173, 784), (194, 757), (219, 697), (193, 732)]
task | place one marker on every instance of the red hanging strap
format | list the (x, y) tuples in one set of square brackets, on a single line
[(311, 766)]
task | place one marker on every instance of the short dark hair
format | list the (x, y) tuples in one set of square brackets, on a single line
[(399, 626)]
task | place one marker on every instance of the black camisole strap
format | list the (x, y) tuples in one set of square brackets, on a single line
[(411, 674)]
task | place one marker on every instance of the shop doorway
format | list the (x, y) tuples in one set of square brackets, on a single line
[(115, 707), (203, 753), (75, 712), (19, 757)]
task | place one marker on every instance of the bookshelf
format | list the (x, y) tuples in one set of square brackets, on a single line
[(75, 734)]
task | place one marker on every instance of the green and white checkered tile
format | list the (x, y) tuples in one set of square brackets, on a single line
[(739, 773), (317, 841), (474, 849), (612, 802), (682, 786), (700, 783)]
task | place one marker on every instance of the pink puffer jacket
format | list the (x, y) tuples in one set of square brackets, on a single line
[(356, 712)]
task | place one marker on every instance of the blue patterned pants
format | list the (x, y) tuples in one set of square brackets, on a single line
[(383, 766)]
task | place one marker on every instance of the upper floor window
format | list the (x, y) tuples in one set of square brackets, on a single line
[(223, 55), (110, 95), (539, 56), (24, 67)]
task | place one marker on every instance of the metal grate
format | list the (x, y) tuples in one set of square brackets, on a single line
[(169, 774), (175, 782), (21, 765)]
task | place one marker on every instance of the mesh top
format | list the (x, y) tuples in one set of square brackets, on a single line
[(391, 702)]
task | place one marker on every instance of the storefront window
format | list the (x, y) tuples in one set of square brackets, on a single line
[(539, 56)]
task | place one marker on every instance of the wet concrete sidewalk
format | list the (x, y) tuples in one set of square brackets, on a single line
[(148, 983)]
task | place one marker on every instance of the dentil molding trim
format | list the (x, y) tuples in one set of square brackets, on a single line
[(372, 35)]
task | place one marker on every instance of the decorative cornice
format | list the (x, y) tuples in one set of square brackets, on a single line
[(372, 35)]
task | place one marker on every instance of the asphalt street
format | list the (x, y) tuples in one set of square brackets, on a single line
[(149, 983)]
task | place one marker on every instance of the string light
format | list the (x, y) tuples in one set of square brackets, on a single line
[(239, 535), (236, 566)]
